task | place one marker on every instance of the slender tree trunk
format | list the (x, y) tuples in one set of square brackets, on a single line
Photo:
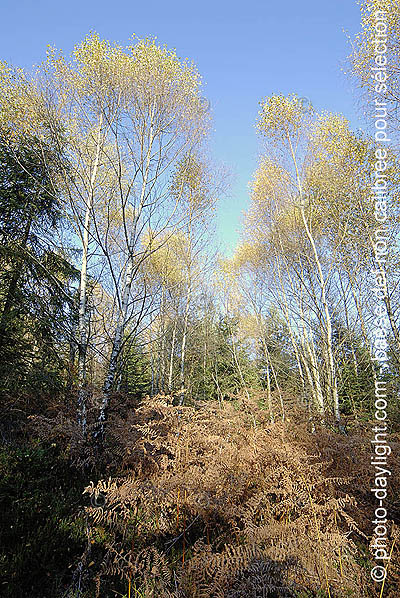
[(72, 358), (269, 396), (290, 329), (152, 369), (161, 357), (332, 378), (314, 373), (183, 345), (236, 361), (204, 368), (121, 326), (215, 378), (186, 315), (171, 358), (82, 314)]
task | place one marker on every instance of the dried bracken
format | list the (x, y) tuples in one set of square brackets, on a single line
[(215, 501)]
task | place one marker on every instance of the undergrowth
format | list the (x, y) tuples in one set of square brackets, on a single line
[(206, 501)]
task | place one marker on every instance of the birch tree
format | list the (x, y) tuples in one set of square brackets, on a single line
[(164, 119), (122, 117), (311, 216)]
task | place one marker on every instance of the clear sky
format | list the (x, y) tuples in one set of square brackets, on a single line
[(244, 51)]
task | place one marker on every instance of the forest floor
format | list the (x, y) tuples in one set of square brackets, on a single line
[(211, 500)]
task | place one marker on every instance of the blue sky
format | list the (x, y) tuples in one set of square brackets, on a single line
[(244, 52)]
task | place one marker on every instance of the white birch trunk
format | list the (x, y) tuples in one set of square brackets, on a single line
[(82, 315), (121, 326)]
